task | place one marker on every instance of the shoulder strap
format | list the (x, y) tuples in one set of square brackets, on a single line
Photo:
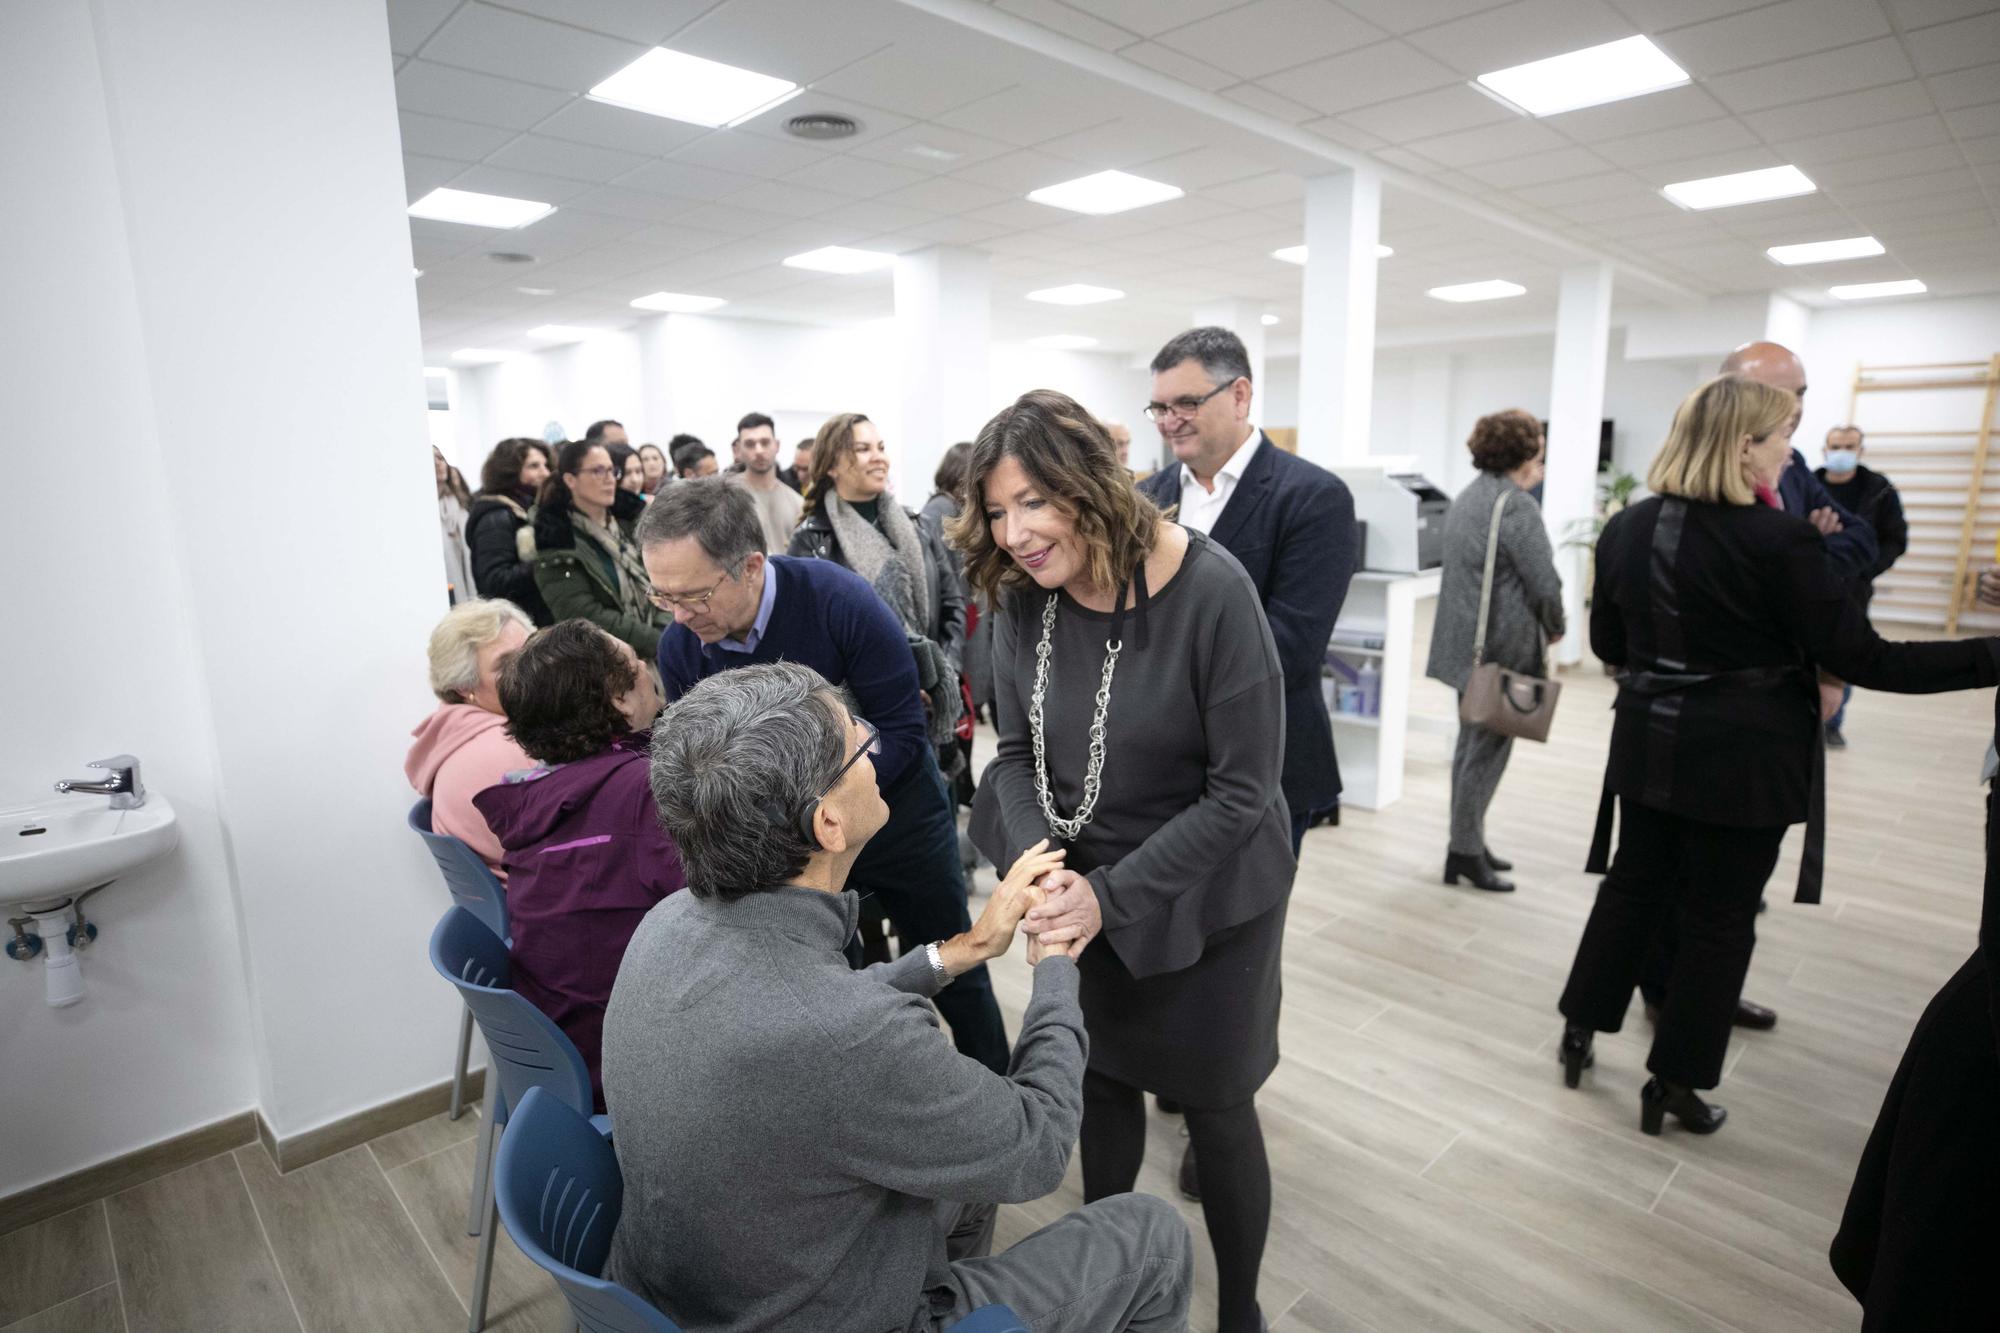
[(1486, 581)]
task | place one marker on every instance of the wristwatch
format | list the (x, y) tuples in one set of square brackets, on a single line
[(937, 965)]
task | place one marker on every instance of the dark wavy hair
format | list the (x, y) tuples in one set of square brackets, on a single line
[(500, 474), (560, 692), (1502, 441), (1072, 462), (570, 456), (834, 442)]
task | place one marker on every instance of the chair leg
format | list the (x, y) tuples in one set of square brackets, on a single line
[(482, 1275), (458, 1070), (482, 1162)]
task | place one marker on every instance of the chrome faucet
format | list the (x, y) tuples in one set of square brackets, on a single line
[(124, 788)]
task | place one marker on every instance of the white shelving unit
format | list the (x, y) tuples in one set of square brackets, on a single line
[(1371, 748)]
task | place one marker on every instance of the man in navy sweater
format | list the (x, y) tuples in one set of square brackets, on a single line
[(735, 606)]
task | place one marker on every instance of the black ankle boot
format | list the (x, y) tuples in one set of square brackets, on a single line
[(1474, 868), (1658, 1098), (1496, 862), (1575, 1053)]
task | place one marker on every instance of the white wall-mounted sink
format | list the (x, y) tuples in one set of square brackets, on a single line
[(52, 849)]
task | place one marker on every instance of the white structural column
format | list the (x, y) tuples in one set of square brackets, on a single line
[(1576, 411), (943, 331), (1246, 320), (1337, 328)]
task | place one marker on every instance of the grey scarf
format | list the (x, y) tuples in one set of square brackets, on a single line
[(891, 559)]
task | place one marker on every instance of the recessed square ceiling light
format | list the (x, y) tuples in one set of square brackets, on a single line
[(1867, 291), (1105, 192), (479, 210), (688, 88), (1076, 293), (1612, 72), (840, 259), (1823, 252), (1742, 187), (1064, 342), (1296, 254), (679, 303), (480, 355), (562, 333), (1268, 320), (1490, 290)]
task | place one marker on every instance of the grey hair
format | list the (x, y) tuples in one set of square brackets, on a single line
[(455, 643), (1220, 352), (737, 763), (1860, 437), (717, 513)]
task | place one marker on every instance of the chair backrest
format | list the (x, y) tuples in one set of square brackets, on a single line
[(473, 884), (528, 1050), (557, 1184)]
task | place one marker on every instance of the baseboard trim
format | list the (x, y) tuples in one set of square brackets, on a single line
[(371, 1122), (38, 1203)]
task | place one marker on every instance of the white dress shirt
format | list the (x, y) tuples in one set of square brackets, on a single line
[(1201, 507)]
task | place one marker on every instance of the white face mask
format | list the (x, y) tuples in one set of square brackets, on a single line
[(1842, 460)]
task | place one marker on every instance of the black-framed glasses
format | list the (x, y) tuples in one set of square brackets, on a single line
[(1184, 407), (871, 745), (694, 603)]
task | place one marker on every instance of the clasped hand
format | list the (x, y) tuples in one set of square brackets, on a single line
[(1055, 906)]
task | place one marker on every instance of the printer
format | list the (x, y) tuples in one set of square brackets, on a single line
[(1400, 513)]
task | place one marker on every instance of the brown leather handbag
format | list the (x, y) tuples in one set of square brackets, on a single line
[(1512, 703)]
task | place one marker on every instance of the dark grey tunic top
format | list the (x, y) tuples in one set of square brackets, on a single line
[(1191, 834)]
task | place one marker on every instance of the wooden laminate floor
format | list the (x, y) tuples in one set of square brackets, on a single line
[(1431, 1171)]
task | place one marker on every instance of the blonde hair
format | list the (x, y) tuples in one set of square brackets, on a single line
[(1700, 460), (456, 642)]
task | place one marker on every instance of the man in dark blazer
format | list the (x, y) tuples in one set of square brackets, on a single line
[(1289, 523)]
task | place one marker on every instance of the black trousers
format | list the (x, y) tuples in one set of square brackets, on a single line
[(1714, 875)]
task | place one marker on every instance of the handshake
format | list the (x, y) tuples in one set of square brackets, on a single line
[(1055, 907)]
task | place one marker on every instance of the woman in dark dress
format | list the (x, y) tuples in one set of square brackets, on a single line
[(1717, 607), (1140, 705), (500, 531)]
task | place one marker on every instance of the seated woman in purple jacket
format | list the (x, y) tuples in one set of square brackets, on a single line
[(585, 853)]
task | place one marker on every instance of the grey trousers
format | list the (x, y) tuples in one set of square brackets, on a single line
[(1476, 765), (1121, 1263)]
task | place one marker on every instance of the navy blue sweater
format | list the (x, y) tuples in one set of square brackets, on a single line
[(826, 617)]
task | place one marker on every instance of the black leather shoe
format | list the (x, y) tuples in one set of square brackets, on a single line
[(1474, 868), (1496, 862), (1754, 1016), (1657, 1099), (1166, 1106), (1190, 1182), (1575, 1053), (1834, 740)]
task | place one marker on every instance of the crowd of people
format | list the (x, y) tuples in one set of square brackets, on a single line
[(759, 686)]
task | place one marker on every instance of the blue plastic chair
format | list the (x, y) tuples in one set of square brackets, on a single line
[(477, 889), (560, 1195), (527, 1052)]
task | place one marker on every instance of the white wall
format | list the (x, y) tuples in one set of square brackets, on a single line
[(1893, 333)]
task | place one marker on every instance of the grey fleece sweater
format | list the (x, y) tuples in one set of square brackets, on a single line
[(788, 1128)]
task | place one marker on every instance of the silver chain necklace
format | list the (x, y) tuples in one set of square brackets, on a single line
[(1093, 772)]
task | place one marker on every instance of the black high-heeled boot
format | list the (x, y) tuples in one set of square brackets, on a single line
[(1658, 1098), (1475, 868), (1496, 862), (1575, 1053)]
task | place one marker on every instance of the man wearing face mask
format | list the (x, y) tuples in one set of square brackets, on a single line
[(1873, 497)]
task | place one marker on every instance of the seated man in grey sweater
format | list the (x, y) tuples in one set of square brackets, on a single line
[(803, 1150)]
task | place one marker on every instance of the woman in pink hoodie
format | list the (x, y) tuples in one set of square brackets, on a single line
[(464, 747)]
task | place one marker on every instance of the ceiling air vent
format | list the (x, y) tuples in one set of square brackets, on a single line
[(509, 257), (822, 125)]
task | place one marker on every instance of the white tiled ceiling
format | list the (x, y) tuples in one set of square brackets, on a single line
[(1892, 106)]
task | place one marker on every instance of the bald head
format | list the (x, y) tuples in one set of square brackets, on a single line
[(1773, 364)]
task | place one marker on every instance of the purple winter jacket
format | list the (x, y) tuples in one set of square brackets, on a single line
[(586, 859)]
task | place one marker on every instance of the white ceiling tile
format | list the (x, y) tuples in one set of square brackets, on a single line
[(1981, 151), (423, 174), (1018, 173), (1210, 169), (1923, 13), (1269, 35), (687, 180), (1974, 122), (1916, 132), (411, 22), (1030, 113), (856, 176), (871, 122), (1488, 143), (1516, 33), (800, 42), (1859, 194), (668, 240), (1776, 32), (798, 201), (1440, 111), (1965, 87), (947, 195), (515, 46), (1845, 111), (459, 140), (1952, 203), (898, 148), (639, 205), (518, 184), (1707, 162), (1679, 142), (1888, 166), (948, 231), (1600, 185), (1559, 164), (1018, 213), (1268, 103), (750, 154), (1635, 115), (459, 94), (1655, 16), (1059, 17), (1179, 65), (1272, 188), (617, 127), (559, 157), (1376, 73), (1147, 17), (1613, 208), (1823, 74), (647, 21), (1126, 143), (1408, 15), (1347, 136), (920, 85), (1950, 46)]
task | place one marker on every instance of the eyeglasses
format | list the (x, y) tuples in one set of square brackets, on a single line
[(697, 603), (871, 745), (1184, 407), (600, 472)]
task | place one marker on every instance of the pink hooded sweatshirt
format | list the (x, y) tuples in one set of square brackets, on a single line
[(460, 750)]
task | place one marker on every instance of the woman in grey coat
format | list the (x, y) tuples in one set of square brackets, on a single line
[(1507, 448)]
